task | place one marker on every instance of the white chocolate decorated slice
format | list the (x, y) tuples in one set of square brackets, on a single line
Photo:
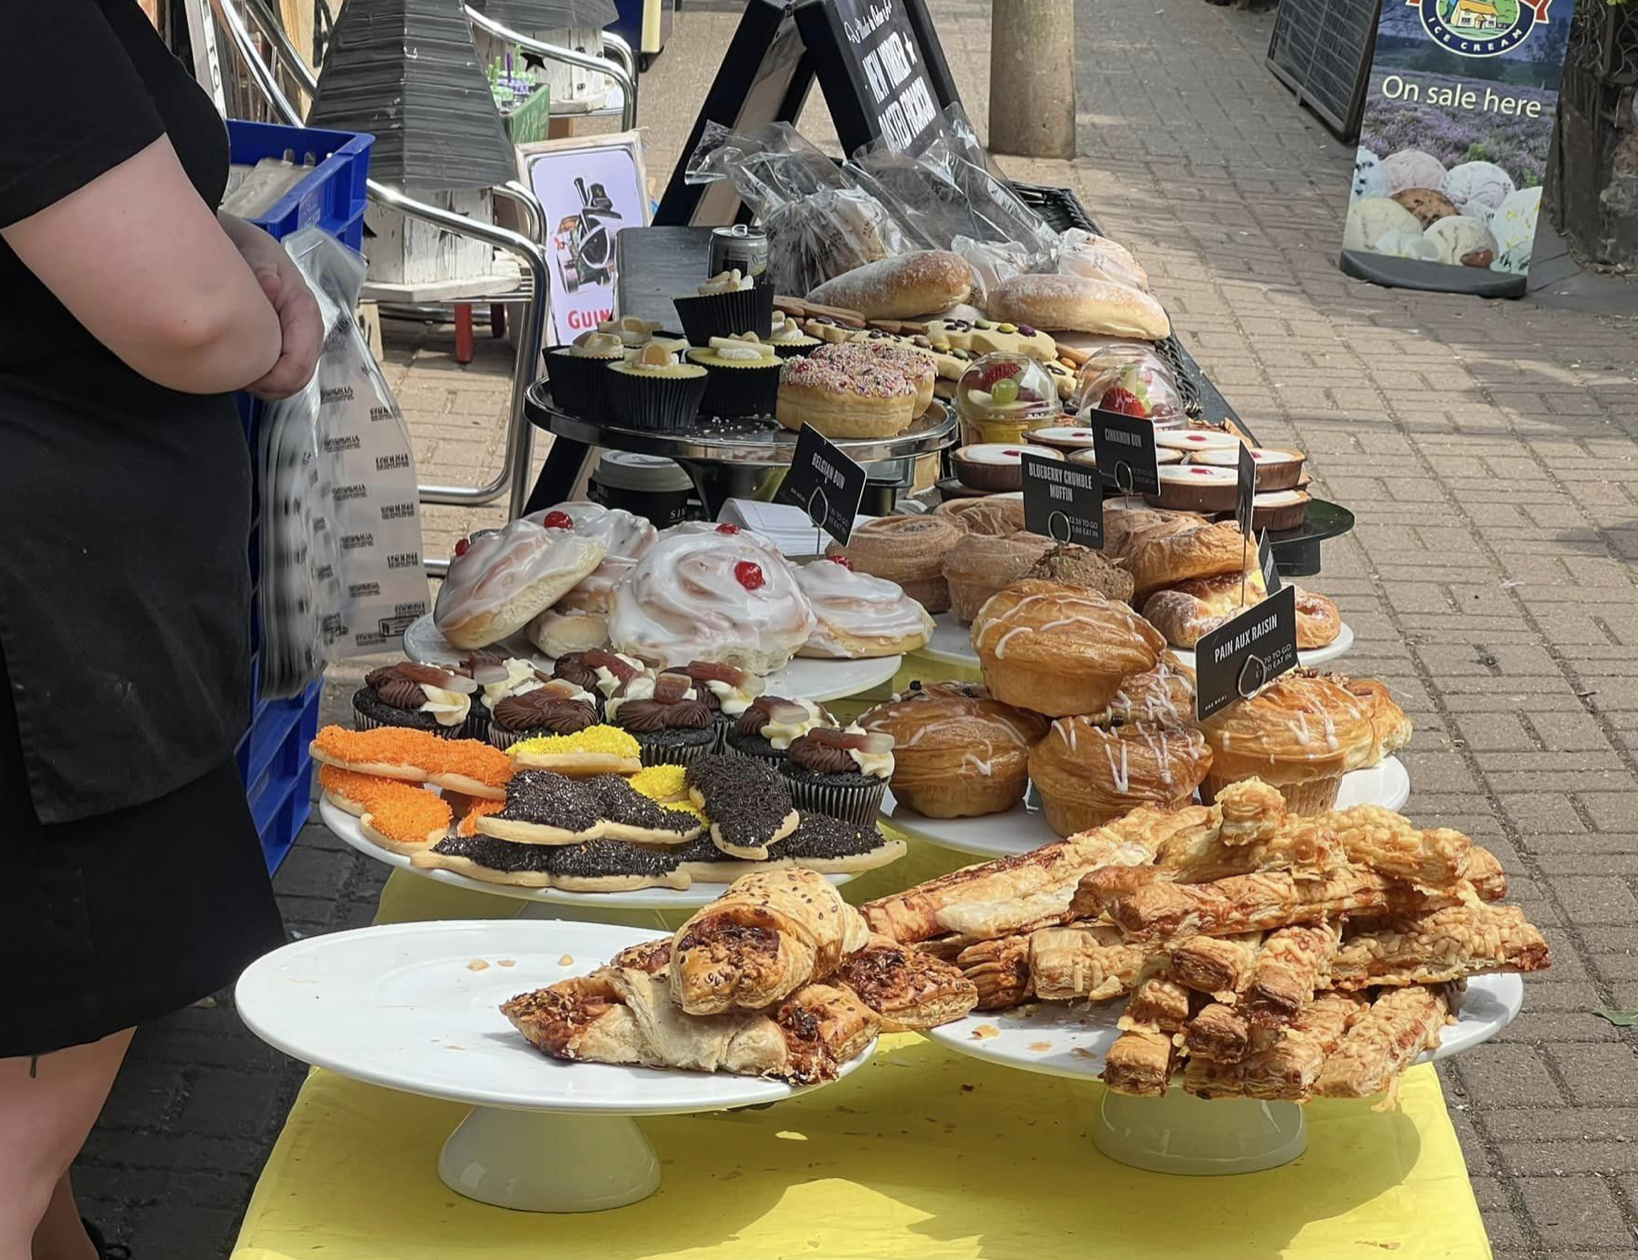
[(860, 615)]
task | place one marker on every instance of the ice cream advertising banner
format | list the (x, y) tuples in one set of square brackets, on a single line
[(1453, 143)]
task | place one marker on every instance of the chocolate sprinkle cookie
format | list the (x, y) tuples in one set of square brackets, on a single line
[(599, 859), (619, 802), (550, 800), (819, 836), (746, 800), (496, 855)]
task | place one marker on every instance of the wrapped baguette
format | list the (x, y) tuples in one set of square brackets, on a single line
[(1078, 304), (921, 283)]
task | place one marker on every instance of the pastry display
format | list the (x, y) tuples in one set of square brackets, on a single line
[(1002, 397), (1273, 961), (655, 389), (585, 753), (859, 615), (726, 305), (958, 753), (901, 286), (1060, 651), (980, 565), (1067, 564), (1088, 774), (741, 375), (667, 715), (577, 372), (766, 728), (416, 697), (1192, 608), (711, 597), (844, 400), (991, 514), (839, 773), (500, 580), (1301, 734), (909, 550), (1078, 304), (747, 801), (1276, 470), (996, 466)]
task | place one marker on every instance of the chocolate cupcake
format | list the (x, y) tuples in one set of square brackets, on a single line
[(415, 697), (840, 773), (552, 708), (769, 724), (725, 306), (599, 672), (497, 678), (579, 372), (727, 691), (670, 722)]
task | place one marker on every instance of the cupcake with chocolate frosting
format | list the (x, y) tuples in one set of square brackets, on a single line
[(666, 715), (416, 697), (599, 672), (726, 689), (770, 724), (840, 773), (555, 707), (497, 677)]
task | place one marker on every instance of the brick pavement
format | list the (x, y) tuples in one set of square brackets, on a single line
[(1488, 451)]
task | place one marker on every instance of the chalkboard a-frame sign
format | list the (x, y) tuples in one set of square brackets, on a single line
[(879, 63)]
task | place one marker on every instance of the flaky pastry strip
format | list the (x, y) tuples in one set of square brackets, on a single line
[(1247, 903), (1444, 945), (1160, 1002), (1218, 966), (1399, 1026), (1219, 1032), (1140, 1062), (1000, 971), (1252, 811), (1288, 1069), (1390, 844), (1084, 961), (1299, 845), (1291, 968)]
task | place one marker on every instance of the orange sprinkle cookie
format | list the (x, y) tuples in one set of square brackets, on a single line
[(406, 821), (355, 792), (468, 826), (461, 765)]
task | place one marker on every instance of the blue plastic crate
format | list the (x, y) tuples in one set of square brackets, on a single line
[(273, 759)]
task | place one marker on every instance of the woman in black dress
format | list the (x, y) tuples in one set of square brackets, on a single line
[(131, 880)]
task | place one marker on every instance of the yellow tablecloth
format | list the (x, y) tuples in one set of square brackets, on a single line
[(921, 1154)]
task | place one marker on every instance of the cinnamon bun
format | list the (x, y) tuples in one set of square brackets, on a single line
[(909, 550), (1088, 774)]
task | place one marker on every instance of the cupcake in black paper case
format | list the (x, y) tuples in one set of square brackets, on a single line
[(673, 726), (498, 678), (632, 332), (840, 773), (741, 376), (726, 689), (725, 305), (598, 671), (553, 708), (416, 697), (579, 372), (654, 389), (788, 339), (770, 724)]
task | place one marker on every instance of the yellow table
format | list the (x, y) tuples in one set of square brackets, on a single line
[(921, 1154)]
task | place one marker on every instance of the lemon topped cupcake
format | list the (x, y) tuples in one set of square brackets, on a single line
[(724, 306), (741, 375), (577, 373), (787, 337), (654, 389)]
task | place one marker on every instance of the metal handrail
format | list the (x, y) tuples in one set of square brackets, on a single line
[(532, 328), (273, 30), (586, 61)]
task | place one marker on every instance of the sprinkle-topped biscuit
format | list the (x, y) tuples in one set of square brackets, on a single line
[(594, 866), (595, 750), (747, 801), (550, 809), (833, 846), (461, 765)]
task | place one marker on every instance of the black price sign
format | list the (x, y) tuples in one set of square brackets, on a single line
[(1247, 488), (1063, 501), (1272, 582), (1125, 447), (825, 483), (1235, 660)]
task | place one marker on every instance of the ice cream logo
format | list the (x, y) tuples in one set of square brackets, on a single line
[(1480, 28)]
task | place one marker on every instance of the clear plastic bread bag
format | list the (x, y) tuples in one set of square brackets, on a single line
[(1082, 253), (820, 222)]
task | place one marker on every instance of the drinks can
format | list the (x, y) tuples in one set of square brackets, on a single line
[(740, 248)]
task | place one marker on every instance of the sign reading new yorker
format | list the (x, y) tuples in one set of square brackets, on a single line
[(1453, 142)]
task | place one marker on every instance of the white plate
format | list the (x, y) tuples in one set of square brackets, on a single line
[(951, 644), (399, 1006), (1071, 1039), (1308, 660), (345, 826), (811, 679), (1024, 827)]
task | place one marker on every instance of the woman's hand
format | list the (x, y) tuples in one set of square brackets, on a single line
[(299, 321)]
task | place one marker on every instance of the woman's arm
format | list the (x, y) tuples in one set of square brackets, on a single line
[(142, 262), (300, 322)]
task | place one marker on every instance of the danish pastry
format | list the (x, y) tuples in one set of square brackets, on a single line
[(1060, 651), (1088, 774), (1192, 609), (909, 550), (957, 752)]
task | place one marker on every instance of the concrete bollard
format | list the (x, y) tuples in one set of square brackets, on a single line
[(1032, 78)]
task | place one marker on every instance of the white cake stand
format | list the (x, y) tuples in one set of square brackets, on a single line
[(537, 900), (414, 1007), (816, 680), (951, 644), (1024, 826), (1179, 1133)]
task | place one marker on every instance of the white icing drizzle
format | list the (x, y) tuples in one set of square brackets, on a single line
[(623, 534), (499, 566)]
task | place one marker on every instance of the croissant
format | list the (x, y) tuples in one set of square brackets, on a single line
[(625, 1015), (1286, 1070), (1192, 609), (1087, 774), (1161, 556), (1060, 650), (1301, 734), (770, 934), (1399, 1026), (1445, 945), (957, 752), (909, 990)]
